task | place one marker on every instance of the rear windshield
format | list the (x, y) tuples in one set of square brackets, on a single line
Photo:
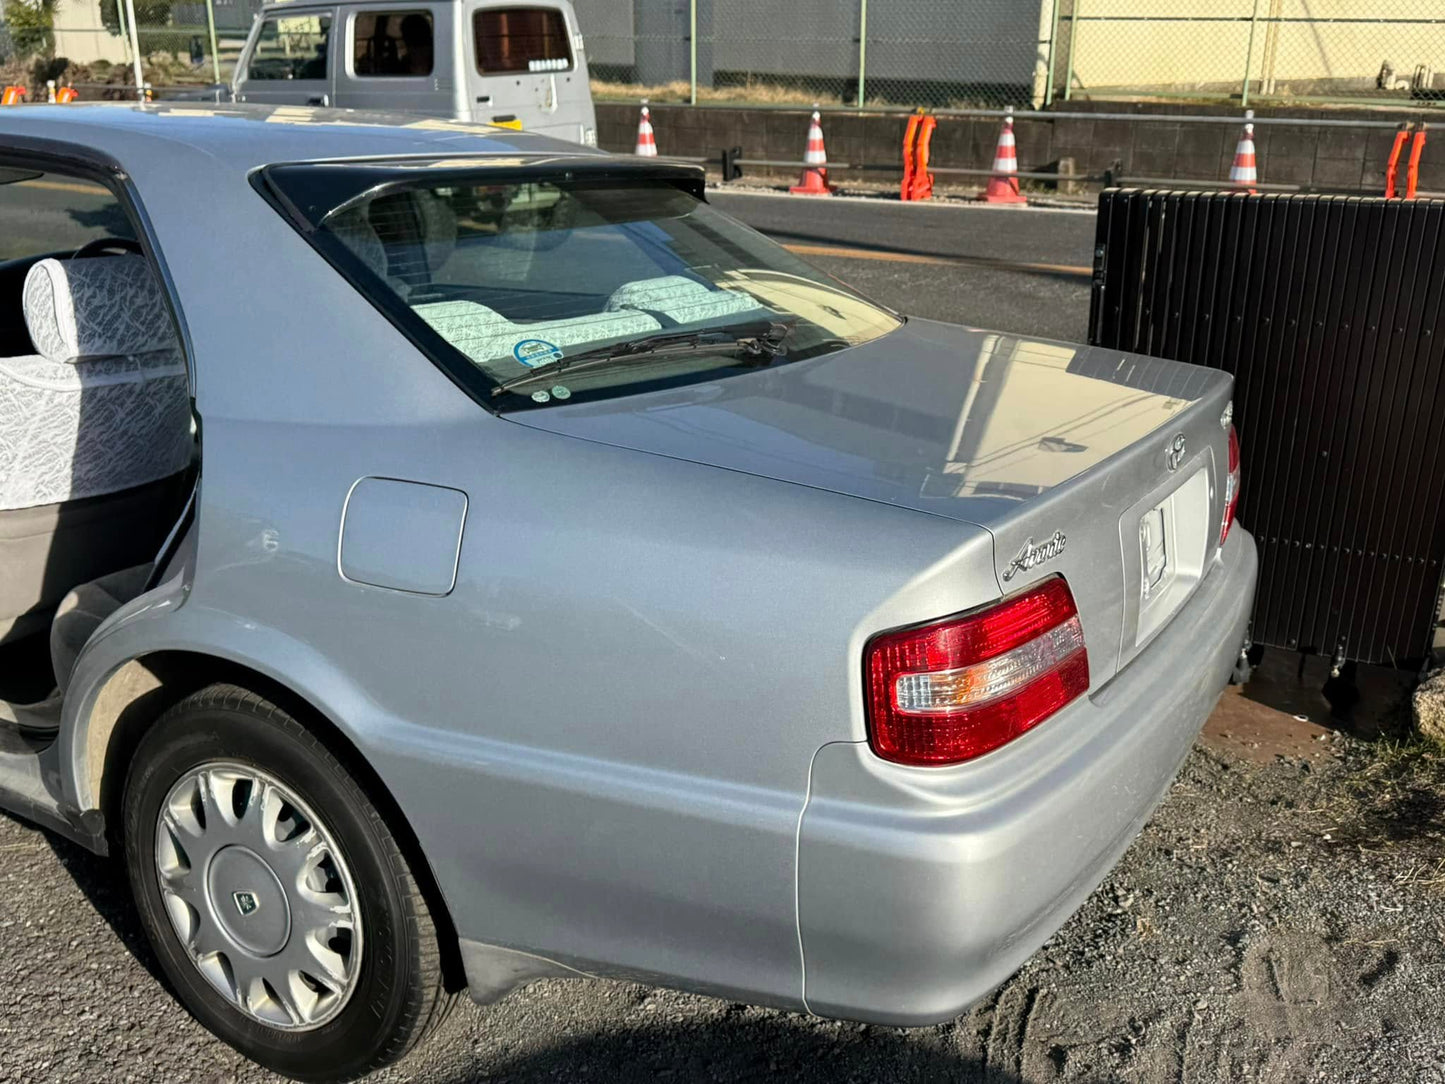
[(498, 281), (521, 40)]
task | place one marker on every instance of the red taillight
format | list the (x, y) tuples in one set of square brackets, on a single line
[(1231, 487), (958, 688)]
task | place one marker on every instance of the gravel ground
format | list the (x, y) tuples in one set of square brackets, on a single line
[(1278, 921)]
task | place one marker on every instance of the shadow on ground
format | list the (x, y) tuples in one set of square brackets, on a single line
[(733, 1048), (103, 881), (1367, 702)]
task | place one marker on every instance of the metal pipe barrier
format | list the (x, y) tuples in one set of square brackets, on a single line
[(1019, 115)]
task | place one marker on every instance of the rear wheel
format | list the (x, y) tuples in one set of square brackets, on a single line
[(281, 907)]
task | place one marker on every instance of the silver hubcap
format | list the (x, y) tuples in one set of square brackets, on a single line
[(259, 895)]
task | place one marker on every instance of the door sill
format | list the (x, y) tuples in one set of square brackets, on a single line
[(34, 725), (29, 756)]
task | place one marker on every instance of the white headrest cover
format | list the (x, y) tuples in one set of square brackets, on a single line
[(98, 307)]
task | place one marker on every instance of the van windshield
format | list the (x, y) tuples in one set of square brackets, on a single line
[(513, 282)]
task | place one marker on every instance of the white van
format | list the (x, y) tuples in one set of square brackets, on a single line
[(493, 61)]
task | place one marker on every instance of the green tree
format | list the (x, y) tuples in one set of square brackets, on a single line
[(31, 24)]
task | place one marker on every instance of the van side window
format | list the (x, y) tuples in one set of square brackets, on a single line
[(521, 40), (293, 47), (392, 43)]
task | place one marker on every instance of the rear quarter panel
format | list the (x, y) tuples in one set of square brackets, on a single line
[(602, 735)]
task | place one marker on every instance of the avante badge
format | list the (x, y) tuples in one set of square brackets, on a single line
[(1030, 555)]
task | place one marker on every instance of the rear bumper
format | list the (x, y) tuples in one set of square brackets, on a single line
[(920, 890)]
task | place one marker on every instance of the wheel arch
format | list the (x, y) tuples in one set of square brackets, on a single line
[(137, 693)]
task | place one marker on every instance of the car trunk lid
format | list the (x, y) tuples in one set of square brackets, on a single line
[(1060, 451)]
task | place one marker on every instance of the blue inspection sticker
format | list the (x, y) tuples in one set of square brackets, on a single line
[(535, 352)]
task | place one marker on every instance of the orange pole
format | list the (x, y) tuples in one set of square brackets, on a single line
[(922, 179), (1412, 175), (1393, 169), (905, 192)]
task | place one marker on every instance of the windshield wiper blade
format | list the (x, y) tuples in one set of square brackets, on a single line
[(764, 339)]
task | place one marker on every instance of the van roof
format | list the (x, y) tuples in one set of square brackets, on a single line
[(179, 136)]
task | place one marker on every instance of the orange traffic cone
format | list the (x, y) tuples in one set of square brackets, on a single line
[(646, 140), (12, 96), (66, 94), (814, 181), (1003, 185), (1244, 172)]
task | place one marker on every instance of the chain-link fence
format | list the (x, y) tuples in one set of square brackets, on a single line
[(848, 53), (838, 52), (92, 44), (950, 54), (1307, 50)]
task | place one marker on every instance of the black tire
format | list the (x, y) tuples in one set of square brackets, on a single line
[(400, 995)]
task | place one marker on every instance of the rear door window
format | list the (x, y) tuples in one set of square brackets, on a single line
[(291, 47), (392, 43), (521, 39)]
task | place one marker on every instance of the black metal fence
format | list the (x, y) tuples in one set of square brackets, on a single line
[(1330, 313)]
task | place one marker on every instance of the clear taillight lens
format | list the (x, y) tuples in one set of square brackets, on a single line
[(955, 689), (1231, 487)]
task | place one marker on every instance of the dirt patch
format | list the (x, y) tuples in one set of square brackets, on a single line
[(1252, 933), (1259, 733)]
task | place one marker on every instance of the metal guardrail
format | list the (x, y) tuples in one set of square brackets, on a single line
[(787, 164), (1110, 179)]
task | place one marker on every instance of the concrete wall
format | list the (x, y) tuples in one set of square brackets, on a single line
[(81, 36), (1328, 158), (1297, 41)]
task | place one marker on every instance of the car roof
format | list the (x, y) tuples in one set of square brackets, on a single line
[(246, 136)]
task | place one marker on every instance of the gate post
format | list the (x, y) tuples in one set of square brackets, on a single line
[(1249, 55), (862, 49)]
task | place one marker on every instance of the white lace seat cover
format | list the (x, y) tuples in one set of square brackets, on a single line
[(681, 300), (484, 334), (105, 406)]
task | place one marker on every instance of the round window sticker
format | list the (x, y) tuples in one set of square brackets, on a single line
[(535, 352)]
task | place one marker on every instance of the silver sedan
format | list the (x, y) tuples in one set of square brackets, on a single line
[(438, 557)]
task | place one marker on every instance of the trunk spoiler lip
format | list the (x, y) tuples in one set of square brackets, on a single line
[(313, 192)]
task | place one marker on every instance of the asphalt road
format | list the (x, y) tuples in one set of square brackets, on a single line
[(1004, 268), (1261, 928)]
